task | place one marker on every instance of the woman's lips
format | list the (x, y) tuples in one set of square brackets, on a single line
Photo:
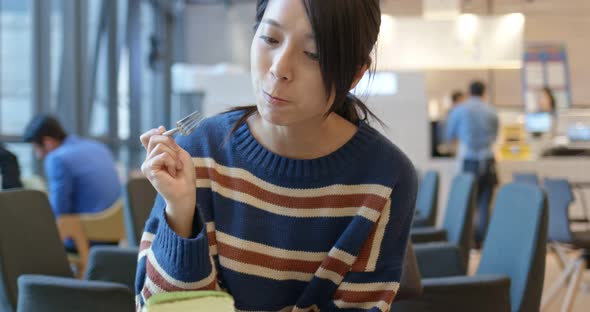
[(274, 100)]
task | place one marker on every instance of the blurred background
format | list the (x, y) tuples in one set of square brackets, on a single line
[(112, 69)]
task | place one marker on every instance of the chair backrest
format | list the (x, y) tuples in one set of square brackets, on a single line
[(525, 177), (427, 199), (140, 198), (410, 285), (459, 212), (515, 243), (29, 242), (105, 226), (559, 198)]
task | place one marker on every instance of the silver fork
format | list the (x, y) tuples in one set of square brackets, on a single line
[(186, 125)]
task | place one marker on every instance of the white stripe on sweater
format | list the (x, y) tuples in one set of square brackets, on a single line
[(338, 189)]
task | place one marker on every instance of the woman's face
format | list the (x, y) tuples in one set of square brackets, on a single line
[(285, 70)]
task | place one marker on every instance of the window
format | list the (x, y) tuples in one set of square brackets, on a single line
[(15, 66)]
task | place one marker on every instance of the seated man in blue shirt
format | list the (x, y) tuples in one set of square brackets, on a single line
[(475, 125), (81, 173)]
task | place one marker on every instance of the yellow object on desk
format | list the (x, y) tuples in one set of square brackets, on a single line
[(513, 144), (193, 301), (514, 151)]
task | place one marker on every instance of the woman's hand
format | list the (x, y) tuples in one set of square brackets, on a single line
[(170, 170)]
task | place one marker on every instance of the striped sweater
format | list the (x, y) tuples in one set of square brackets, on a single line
[(284, 234)]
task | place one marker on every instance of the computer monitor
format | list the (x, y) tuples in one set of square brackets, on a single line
[(579, 132), (538, 122)]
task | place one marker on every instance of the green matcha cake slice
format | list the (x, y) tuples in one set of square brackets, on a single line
[(193, 301)]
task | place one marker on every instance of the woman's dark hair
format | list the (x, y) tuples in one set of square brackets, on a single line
[(549, 93), (43, 126), (345, 33)]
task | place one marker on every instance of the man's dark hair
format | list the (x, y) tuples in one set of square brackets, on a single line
[(456, 96), (477, 88), (43, 126)]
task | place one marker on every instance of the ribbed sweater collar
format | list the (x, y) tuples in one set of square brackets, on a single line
[(259, 158)]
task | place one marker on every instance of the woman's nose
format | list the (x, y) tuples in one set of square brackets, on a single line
[(282, 68)]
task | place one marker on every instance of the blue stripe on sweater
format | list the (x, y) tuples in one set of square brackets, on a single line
[(269, 295)]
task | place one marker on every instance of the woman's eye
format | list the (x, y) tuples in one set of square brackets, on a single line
[(269, 40), (313, 56)]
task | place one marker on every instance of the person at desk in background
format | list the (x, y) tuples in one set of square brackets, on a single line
[(474, 124), (457, 97), (81, 173), (9, 169), (304, 205), (441, 147), (547, 101), (547, 104)]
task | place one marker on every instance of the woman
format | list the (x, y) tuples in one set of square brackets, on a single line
[(547, 101), (303, 205)]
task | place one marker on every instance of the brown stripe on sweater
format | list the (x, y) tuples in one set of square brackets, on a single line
[(335, 265), (165, 285), (360, 264), (365, 296), (211, 238), (143, 245), (260, 259), (371, 201), (146, 293)]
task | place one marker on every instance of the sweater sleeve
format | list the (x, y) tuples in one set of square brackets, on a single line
[(168, 262), (373, 285)]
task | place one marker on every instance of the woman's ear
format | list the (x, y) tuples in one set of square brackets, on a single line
[(359, 75)]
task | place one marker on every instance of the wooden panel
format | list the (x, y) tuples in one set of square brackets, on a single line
[(536, 7), (402, 7), (504, 85), (476, 7), (440, 83), (542, 7), (507, 87)]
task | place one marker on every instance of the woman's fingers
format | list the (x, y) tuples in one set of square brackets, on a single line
[(158, 163), (164, 160), (162, 148), (174, 161), (145, 137), (161, 139)]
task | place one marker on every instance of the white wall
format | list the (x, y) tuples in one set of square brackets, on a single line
[(468, 41), (405, 115), (223, 85), (219, 33)]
